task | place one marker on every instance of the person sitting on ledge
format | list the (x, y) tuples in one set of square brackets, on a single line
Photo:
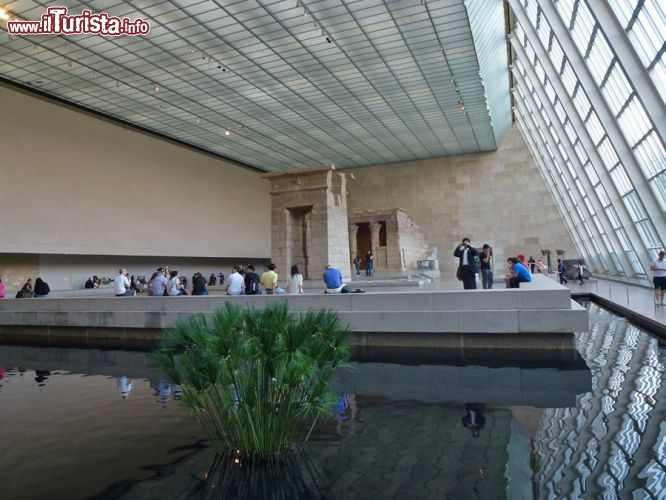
[(199, 285), (90, 284), (26, 291), (41, 288), (122, 285), (174, 286), (269, 280), (332, 280), (236, 284), (518, 273)]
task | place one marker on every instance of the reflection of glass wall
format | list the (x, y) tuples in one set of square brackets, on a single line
[(589, 90), (611, 440)]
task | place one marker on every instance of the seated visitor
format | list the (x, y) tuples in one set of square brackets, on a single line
[(252, 281), (269, 280), (332, 280), (199, 285), (90, 283), (26, 291), (212, 280), (295, 285), (41, 288), (174, 286), (517, 273), (160, 283), (122, 285), (236, 283), (149, 285)]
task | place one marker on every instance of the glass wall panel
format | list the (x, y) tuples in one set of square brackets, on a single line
[(615, 143)]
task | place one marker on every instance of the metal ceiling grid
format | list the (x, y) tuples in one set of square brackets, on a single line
[(382, 90)]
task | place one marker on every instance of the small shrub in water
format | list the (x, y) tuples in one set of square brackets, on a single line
[(258, 381)]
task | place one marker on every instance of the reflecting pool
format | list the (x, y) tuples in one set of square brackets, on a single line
[(84, 423)]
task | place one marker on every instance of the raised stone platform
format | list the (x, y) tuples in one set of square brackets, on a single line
[(522, 317)]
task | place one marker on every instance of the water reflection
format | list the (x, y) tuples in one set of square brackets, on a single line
[(124, 385), (474, 419), (614, 440), (547, 426)]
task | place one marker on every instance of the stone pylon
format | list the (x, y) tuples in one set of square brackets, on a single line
[(309, 225)]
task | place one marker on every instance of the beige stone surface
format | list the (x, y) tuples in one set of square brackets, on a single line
[(75, 184), (15, 269), (309, 221), (497, 197)]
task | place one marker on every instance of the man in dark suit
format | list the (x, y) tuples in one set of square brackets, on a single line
[(467, 254)]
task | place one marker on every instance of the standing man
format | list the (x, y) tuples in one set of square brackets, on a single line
[(561, 272), (332, 280), (369, 262), (659, 280), (532, 263), (122, 285), (357, 264), (466, 254), (487, 265)]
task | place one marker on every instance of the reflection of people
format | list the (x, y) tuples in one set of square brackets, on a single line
[(659, 267), (124, 385), (467, 254), (474, 419), (42, 376)]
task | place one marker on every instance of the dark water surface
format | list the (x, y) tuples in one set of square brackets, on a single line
[(407, 425)]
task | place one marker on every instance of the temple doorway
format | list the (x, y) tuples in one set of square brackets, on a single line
[(363, 240), (299, 240)]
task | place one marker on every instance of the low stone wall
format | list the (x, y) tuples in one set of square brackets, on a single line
[(382, 318)]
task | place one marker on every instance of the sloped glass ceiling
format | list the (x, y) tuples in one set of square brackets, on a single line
[(283, 84), (589, 83)]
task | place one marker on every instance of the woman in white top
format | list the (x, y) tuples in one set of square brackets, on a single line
[(174, 287), (295, 281)]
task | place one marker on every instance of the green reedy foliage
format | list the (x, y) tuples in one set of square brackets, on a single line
[(256, 379)]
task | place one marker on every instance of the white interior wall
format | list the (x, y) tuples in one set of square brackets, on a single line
[(73, 183)]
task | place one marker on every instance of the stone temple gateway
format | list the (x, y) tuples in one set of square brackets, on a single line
[(311, 227)]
